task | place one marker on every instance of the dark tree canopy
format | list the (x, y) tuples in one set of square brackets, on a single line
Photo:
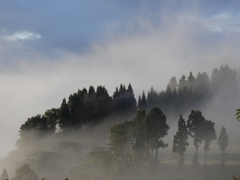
[(223, 143), (155, 129), (208, 136), (180, 140), (195, 126), (89, 107)]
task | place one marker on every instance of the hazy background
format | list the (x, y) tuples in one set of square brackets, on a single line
[(49, 49)]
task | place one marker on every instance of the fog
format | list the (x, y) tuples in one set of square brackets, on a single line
[(36, 82), (144, 49), (64, 155)]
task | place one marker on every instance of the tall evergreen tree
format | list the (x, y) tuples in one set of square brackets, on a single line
[(139, 139), (180, 140), (195, 126), (182, 82), (142, 104), (131, 101), (64, 121), (152, 98), (223, 143), (52, 116), (4, 175), (191, 82), (208, 135), (120, 141), (173, 84), (155, 129), (25, 172)]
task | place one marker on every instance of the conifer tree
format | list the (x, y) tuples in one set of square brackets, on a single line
[(152, 98), (139, 139), (120, 141), (182, 82), (173, 84), (155, 129), (131, 101), (195, 126), (142, 102), (4, 175), (25, 172), (208, 135), (180, 140), (64, 121), (223, 143), (191, 82)]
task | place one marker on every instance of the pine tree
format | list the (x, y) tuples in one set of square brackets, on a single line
[(64, 121), (180, 140), (139, 139), (155, 129), (173, 84), (152, 98), (142, 102), (25, 173), (131, 101), (182, 82), (208, 135), (191, 82), (223, 143), (4, 175), (120, 141), (195, 126)]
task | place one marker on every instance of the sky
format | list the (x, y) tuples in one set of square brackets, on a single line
[(49, 49)]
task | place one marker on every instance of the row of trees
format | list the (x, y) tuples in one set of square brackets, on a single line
[(90, 107), (136, 143), (194, 92), (24, 172), (200, 130)]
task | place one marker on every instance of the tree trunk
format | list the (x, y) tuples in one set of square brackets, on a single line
[(205, 157), (223, 157), (197, 153), (156, 153)]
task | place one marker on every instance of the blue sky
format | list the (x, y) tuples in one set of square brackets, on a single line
[(72, 25), (49, 48)]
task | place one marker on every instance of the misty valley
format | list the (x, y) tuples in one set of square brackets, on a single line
[(189, 131)]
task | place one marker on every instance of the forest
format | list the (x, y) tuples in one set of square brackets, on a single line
[(166, 134)]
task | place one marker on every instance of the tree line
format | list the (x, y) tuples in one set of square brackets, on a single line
[(90, 107), (134, 145)]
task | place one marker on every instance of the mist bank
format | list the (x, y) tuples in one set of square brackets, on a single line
[(56, 143)]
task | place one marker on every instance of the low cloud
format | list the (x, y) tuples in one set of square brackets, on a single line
[(221, 22), (23, 35)]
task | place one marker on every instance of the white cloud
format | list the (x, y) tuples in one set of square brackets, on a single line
[(23, 35), (221, 22)]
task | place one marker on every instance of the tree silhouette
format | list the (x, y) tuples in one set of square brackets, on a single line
[(25, 173), (120, 141), (180, 140), (195, 126), (208, 135), (155, 129), (4, 175), (139, 139), (223, 143), (238, 114)]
